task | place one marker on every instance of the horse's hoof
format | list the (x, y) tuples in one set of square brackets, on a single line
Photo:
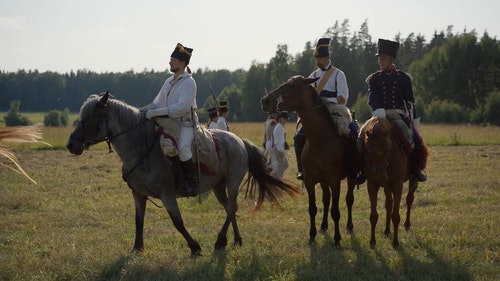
[(407, 226), (395, 245), (323, 230), (387, 233), (350, 229), (238, 243), (196, 254)]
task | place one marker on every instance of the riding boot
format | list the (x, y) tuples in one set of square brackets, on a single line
[(299, 141), (415, 168), (191, 186), (354, 163)]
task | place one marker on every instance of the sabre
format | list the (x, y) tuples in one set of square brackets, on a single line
[(193, 120)]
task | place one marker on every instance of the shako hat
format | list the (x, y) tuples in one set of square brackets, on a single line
[(283, 114), (223, 107), (387, 47), (182, 53), (212, 112), (322, 48)]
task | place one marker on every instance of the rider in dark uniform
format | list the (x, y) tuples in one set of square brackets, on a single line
[(391, 89)]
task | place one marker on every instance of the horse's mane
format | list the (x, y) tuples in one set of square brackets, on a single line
[(128, 114)]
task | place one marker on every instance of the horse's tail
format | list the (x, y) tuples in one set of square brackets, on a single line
[(268, 186)]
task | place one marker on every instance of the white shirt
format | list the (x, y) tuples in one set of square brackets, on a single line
[(337, 75), (181, 99), (222, 124), (213, 125), (279, 137)]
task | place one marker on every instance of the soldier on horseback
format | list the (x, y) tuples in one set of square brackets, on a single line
[(390, 95), (174, 102), (333, 91)]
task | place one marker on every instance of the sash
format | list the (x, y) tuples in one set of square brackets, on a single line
[(324, 79)]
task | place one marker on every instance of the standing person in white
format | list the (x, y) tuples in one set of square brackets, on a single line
[(279, 162), (214, 118), (177, 100), (223, 112)]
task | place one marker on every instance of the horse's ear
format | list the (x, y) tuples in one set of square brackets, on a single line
[(103, 100)]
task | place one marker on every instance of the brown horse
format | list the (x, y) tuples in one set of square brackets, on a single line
[(324, 152), (386, 165)]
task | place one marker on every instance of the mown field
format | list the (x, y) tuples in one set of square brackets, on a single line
[(77, 223)]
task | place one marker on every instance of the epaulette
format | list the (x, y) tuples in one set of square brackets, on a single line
[(367, 80), (405, 74)]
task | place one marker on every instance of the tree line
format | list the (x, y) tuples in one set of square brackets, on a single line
[(456, 78)]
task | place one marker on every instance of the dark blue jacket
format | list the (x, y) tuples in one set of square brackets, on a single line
[(389, 90)]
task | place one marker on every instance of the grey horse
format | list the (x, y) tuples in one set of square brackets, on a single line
[(150, 174)]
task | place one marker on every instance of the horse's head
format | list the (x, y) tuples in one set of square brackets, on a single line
[(92, 125), (293, 95)]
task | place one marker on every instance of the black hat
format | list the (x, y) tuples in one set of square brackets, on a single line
[(182, 53), (223, 107), (322, 48), (387, 47), (212, 112), (283, 114)]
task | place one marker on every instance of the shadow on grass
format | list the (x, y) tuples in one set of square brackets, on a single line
[(360, 263), (325, 262)]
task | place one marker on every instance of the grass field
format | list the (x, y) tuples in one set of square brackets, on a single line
[(77, 223)]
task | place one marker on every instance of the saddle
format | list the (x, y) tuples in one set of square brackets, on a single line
[(204, 146)]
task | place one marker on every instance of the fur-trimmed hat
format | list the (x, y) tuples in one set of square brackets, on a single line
[(387, 47), (182, 53), (223, 106), (322, 48), (212, 112)]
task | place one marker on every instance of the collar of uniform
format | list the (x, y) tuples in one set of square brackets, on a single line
[(327, 67)]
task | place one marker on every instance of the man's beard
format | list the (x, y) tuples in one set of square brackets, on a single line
[(174, 70)]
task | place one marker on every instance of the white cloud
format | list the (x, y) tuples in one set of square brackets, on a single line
[(13, 22)]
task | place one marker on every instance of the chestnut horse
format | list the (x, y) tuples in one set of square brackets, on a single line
[(323, 156), (386, 165)]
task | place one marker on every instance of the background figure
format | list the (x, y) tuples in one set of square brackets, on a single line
[(214, 118), (223, 112), (268, 133), (279, 162)]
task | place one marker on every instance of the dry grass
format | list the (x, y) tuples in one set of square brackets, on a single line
[(77, 223)]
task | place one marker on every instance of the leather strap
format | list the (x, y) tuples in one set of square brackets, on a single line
[(324, 79)]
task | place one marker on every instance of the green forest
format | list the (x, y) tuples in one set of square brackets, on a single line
[(456, 78)]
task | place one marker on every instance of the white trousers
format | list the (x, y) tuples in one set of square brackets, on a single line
[(186, 136)]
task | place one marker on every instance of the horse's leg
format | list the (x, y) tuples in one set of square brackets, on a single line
[(230, 205), (372, 193), (388, 190), (349, 199), (336, 211), (326, 206), (140, 210), (413, 185), (313, 210), (170, 203), (395, 214)]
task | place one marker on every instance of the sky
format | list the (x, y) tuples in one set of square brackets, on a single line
[(123, 35)]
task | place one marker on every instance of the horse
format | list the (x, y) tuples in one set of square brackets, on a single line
[(386, 165), (149, 173), (324, 152)]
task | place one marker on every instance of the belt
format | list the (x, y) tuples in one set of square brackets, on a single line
[(327, 94)]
